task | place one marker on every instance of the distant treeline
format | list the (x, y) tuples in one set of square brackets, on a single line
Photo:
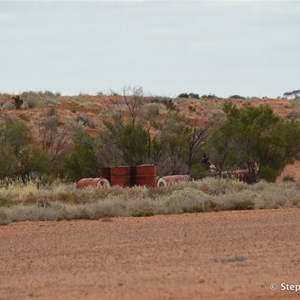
[(251, 138)]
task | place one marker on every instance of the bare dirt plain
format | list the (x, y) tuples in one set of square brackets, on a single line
[(224, 255)]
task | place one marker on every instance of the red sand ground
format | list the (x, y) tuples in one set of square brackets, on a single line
[(163, 257)]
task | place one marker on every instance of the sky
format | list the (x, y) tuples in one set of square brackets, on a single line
[(249, 48)]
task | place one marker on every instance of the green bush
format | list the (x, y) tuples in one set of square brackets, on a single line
[(18, 102), (268, 173), (75, 108), (9, 105), (86, 121), (81, 161), (31, 99), (243, 205), (24, 117), (143, 213), (183, 95), (198, 172), (237, 97)]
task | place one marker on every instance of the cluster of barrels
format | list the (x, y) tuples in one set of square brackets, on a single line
[(125, 176), (144, 175)]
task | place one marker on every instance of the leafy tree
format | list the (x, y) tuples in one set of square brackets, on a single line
[(196, 140), (183, 95), (181, 144), (255, 138), (17, 156), (34, 160), (14, 137), (173, 137), (15, 133), (295, 93), (7, 159), (222, 148), (237, 97), (54, 140), (127, 138), (124, 143), (81, 161), (18, 102)]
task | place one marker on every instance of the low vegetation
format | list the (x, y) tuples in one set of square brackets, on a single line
[(31, 200), (175, 134), (168, 132)]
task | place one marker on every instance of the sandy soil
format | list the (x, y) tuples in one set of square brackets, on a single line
[(291, 170), (224, 255)]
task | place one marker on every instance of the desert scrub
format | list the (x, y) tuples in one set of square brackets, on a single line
[(143, 213), (9, 106), (86, 121), (182, 201), (237, 201), (214, 186), (31, 200)]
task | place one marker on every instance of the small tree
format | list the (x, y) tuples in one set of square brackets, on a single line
[(8, 160), (81, 161), (183, 95), (181, 144), (256, 138), (16, 134), (128, 143), (295, 93), (54, 140), (222, 148), (34, 160), (18, 102)]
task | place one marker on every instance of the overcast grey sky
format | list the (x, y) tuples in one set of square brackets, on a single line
[(251, 48)]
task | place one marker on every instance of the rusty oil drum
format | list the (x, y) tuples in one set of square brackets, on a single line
[(120, 176), (105, 173), (146, 175), (133, 170), (85, 182), (172, 179)]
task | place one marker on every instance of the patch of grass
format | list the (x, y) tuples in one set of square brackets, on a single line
[(24, 117), (86, 121), (75, 108), (6, 202), (32, 103), (143, 213), (51, 112), (205, 206), (288, 177), (192, 108), (4, 220), (244, 205), (9, 106), (233, 259)]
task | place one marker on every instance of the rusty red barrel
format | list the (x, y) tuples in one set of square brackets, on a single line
[(105, 173), (133, 170), (182, 178), (169, 180), (146, 175), (85, 182), (120, 176)]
